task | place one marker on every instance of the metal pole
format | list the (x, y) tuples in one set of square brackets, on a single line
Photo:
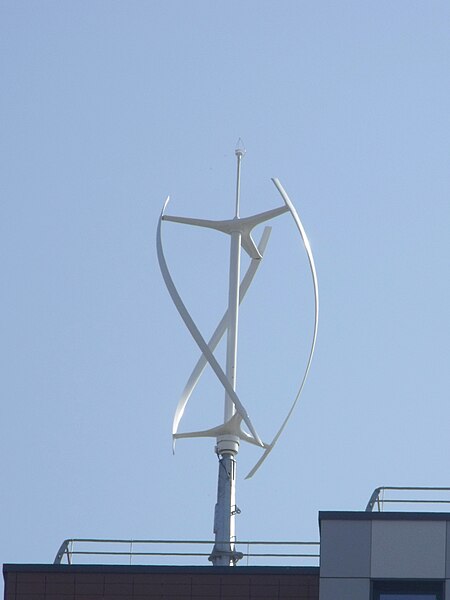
[(228, 445)]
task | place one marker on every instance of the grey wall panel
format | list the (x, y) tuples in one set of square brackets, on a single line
[(447, 557), (344, 589), (345, 548), (413, 549)]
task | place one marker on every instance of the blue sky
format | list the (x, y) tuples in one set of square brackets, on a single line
[(107, 108)]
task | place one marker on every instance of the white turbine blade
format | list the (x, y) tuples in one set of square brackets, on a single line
[(218, 334), (194, 331), (316, 322)]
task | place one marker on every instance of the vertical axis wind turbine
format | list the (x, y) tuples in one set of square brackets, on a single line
[(230, 433)]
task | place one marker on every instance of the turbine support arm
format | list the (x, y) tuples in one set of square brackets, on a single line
[(237, 225)]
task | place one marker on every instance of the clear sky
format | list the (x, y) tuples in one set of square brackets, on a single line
[(107, 107)]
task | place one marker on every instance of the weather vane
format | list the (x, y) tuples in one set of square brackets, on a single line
[(230, 433)]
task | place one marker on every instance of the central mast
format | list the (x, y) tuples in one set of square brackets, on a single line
[(224, 553)]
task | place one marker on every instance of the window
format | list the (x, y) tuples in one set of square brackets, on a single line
[(407, 590)]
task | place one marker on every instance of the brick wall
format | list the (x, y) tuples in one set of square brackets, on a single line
[(62, 582)]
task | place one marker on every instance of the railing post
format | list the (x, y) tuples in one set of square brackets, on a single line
[(63, 549)]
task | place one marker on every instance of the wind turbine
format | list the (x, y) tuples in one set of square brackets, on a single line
[(230, 433)]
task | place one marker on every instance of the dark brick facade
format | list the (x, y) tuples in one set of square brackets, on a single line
[(100, 582)]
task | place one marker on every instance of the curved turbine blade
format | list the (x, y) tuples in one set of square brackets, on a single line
[(218, 334), (316, 322), (194, 331)]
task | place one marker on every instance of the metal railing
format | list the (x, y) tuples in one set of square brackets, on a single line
[(167, 551), (428, 496)]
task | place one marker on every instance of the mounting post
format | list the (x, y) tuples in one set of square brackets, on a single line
[(224, 553)]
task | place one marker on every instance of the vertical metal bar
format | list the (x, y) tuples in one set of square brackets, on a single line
[(239, 154), (233, 319), (228, 445)]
